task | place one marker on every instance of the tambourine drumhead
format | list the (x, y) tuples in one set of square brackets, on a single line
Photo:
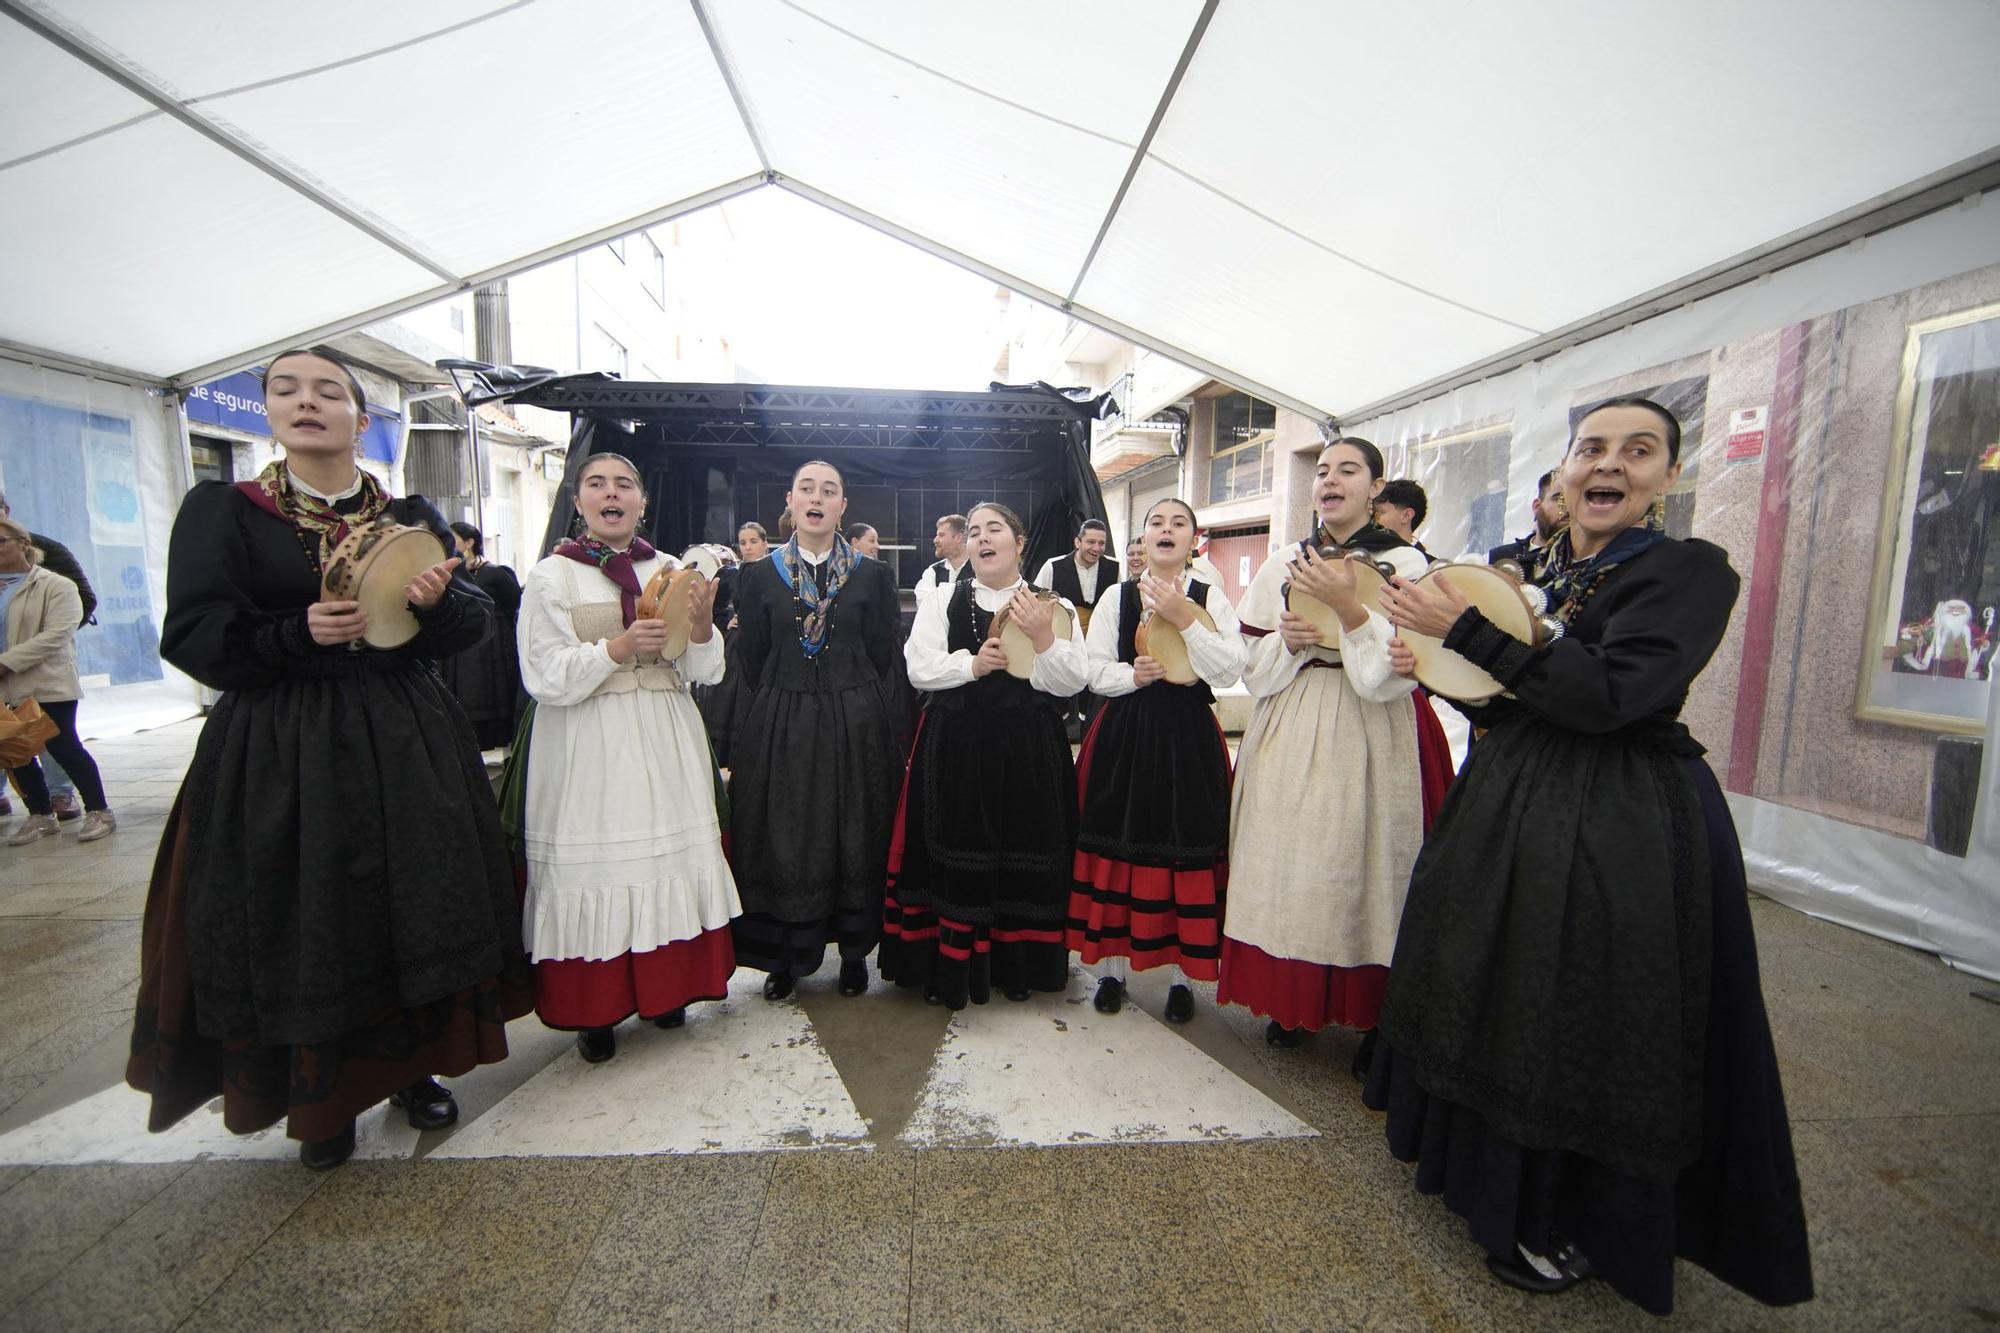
[(372, 566), (1497, 594), (1368, 584), (1158, 639), (704, 558), (666, 598), (1014, 640)]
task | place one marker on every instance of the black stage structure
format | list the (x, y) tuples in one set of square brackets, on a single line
[(714, 456)]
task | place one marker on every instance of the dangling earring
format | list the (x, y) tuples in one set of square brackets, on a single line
[(1657, 520)]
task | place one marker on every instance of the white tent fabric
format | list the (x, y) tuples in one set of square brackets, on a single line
[(1329, 203)]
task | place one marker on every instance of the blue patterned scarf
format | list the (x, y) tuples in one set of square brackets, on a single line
[(815, 605)]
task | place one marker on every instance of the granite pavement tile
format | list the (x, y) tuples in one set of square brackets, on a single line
[(859, 1189), (153, 1269), (345, 1253), (827, 1272), (1012, 1267), (512, 1245), (956, 1185), (55, 1214), (674, 1248)]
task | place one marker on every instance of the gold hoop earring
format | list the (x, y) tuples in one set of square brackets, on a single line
[(1657, 517)]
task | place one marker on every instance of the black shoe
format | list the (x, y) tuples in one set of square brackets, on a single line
[(1180, 1003), (1364, 1056), (597, 1044), (932, 995), (778, 985), (672, 1018), (428, 1104), (328, 1153), (1016, 995), (1110, 996), (1277, 1034), (1518, 1273), (853, 976)]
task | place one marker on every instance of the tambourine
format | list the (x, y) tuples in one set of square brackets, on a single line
[(707, 558), (1014, 640), (371, 566), (1500, 596), (666, 599), (1157, 638)]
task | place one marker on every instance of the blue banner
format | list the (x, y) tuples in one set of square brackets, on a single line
[(237, 401)]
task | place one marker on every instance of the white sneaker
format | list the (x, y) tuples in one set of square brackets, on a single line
[(33, 829), (96, 824)]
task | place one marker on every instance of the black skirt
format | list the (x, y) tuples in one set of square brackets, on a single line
[(981, 860), (1588, 996), (1157, 790), (812, 796)]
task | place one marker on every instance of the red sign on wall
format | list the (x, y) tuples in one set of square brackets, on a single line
[(1746, 434)]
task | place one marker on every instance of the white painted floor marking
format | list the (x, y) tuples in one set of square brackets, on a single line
[(744, 1075), (1046, 1072), (110, 1126)]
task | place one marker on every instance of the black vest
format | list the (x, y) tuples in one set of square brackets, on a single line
[(967, 626), (1067, 581), (939, 573)]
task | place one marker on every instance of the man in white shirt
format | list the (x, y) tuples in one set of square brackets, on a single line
[(951, 566), (1082, 577)]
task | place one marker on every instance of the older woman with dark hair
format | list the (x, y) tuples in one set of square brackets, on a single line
[(1574, 1049), (39, 613)]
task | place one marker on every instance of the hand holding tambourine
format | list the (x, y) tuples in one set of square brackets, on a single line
[(642, 639), (427, 589), (1146, 670), (1401, 660), (1163, 598), (1035, 616), (1431, 607), (990, 658), (1328, 579)]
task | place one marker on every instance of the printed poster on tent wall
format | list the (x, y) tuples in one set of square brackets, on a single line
[(1936, 593), (72, 474)]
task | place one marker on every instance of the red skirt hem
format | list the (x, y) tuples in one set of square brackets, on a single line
[(1301, 994), (582, 993), (1153, 915)]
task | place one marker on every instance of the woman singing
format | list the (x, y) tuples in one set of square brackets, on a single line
[(1338, 773), (629, 897), (1153, 778), (820, 745), (1574, 1048), (332, 917), (980, 866)]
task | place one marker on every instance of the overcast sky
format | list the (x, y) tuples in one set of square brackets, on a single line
[(824, 300)]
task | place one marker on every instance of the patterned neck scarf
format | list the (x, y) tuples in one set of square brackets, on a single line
[(1570, 581), (311, 516), (812, 603), (617, 566)]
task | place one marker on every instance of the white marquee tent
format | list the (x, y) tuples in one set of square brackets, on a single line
[(1349, 209), (1332, 203)]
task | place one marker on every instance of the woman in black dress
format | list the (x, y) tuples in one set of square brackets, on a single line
[(818, 753), (1573, 1048), (980, 864), (486, 680), (332, 917)]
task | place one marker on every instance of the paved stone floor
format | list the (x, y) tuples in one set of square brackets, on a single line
[(876, 1163)]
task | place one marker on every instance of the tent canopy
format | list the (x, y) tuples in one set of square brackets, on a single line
[(1329, 204)]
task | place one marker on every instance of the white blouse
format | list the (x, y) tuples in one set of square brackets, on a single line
[(934, 665), (557, 667), (1363, 653), (1217, 654)]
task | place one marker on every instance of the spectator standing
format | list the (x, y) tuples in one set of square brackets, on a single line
[(57, 559)]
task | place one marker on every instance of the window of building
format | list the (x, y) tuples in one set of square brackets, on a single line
[(610, 353), (1241, 453), (617, 247), (653, 276)]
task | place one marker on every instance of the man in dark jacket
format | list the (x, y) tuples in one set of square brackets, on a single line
[(1549, 520), (57, 559)]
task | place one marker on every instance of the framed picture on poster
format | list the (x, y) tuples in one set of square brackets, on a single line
[(1935, 594)]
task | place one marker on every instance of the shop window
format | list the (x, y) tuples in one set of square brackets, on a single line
[(653, 270), (1464, 476), (1241, 448), (610, 354), (1936, 591)]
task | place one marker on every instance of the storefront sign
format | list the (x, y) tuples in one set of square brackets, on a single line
[(237, 402), (1746, 434)]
